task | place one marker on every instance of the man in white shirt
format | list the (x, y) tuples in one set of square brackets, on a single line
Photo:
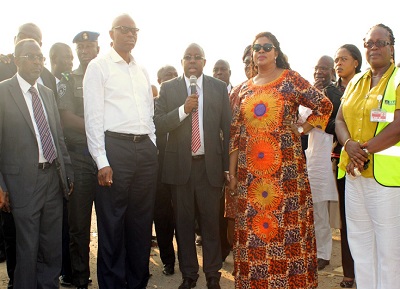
[(118, 109)]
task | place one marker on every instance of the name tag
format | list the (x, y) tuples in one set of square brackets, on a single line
[(379, 115)]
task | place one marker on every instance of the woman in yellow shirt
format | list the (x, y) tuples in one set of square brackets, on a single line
[(372, 210)]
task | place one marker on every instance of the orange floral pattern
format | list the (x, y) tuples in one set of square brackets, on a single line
[(274, 242)]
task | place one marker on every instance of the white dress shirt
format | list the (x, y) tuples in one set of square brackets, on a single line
[(183, 115), (117, 97), (25, 86)]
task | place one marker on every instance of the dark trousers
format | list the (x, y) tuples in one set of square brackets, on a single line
[(164, 222), (198, 191), (125, 214), (347, 259), (223, 230), (80, 206), (8, 227), (38, 234), (66, 258)]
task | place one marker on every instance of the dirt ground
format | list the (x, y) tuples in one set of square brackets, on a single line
[(329, 278)]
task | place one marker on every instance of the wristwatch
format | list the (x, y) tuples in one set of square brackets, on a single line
[(300, 129)]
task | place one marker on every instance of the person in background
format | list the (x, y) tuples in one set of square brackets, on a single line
[(70, 105), (163, 211), (118, 112), (34, 161), (61, 60), (7, 70), (274, 243), (368, 127), (319, 167), (222, 71), (154, 91), (348, 61), (246, 58), (196, 156)]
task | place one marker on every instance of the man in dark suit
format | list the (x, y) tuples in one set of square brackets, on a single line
[(196, 157), (7, 70), (33, 163)]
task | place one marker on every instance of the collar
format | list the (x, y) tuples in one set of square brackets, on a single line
[(199, 81), (25, 85), (117, 58)]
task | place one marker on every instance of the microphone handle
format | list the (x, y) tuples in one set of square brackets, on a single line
[(193, 89)]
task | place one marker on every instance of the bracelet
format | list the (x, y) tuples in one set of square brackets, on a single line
[(232, 177), (366, 150), (345, 143)]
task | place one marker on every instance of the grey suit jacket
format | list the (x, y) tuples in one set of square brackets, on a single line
[(216, 126), (19, 154)]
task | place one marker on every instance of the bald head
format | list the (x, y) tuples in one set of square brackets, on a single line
[(121, 19), (29, 30)]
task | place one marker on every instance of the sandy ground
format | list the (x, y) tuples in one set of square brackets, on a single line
[(329, 278)]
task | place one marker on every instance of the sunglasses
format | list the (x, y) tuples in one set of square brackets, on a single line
[(267, 47), (196, 57), (126, 29), (378, 43), (32, 57)]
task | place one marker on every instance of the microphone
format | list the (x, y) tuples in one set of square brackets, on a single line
[(193, 83), (193, 89)]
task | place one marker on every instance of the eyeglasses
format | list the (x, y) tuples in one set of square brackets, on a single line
[(32, 57), (190, 57), (126, 29), (378, 43), (267, 47), (322, 68)]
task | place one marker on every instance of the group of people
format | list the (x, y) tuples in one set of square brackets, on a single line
[(203, 151)]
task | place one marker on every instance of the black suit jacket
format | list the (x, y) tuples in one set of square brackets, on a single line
[(216, 126), (8, 70), (19, 155)]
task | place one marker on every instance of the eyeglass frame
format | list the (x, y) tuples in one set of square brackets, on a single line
[(190, 57), (33, 57), (267, 47), (379, 43), (126, 29)]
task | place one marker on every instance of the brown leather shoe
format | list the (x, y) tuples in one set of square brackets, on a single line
[(322, 263)]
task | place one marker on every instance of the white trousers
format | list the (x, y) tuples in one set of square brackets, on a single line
[(323, 233), (373, 228)]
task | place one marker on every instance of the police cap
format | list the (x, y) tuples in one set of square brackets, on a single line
[(86, 36)]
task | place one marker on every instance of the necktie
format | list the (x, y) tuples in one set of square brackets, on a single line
[(49, 151), (195, 131)]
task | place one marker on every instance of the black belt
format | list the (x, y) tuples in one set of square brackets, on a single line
[(43, 166), (198, 157), (127, 136)]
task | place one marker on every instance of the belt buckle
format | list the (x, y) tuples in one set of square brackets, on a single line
[(42, 166), (136, 138)]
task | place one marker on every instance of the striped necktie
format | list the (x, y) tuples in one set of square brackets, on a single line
[(49, 151), (196, 143)]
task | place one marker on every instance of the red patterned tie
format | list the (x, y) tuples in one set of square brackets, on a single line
[(49, 151), (195, 131)]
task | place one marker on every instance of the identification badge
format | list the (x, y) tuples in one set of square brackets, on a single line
[(378, 115)]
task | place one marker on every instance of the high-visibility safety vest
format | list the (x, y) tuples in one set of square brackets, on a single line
[(386, 163)]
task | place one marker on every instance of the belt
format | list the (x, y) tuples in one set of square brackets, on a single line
[(127, 136), (198, 157), (43, 166)]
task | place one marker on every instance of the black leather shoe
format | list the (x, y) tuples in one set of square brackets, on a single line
[(322, 263), (2, 256), (168, 269), (65, 281), (213, 283), (10, 284), (187, 283)]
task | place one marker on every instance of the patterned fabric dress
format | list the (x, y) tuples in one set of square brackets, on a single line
[(274, 243)]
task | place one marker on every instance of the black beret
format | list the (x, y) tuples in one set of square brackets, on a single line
[(86, 36)]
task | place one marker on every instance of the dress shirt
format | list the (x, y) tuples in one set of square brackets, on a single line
[(183, 115), (117, 98), (229, 88), (28, 99)]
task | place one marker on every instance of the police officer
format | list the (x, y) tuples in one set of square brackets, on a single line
[(70, 92)]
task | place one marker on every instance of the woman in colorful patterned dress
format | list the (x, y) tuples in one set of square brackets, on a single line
[(274, 244)]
